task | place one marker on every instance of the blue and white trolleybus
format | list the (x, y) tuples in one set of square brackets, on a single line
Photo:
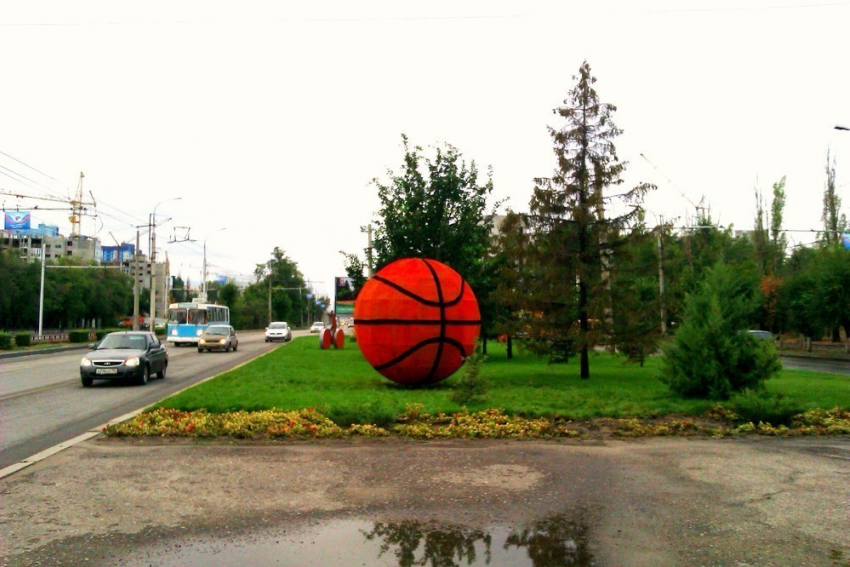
[(187, 321)]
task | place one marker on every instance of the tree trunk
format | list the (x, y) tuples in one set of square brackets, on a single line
[(583, 326), (483, 344), (510, 347)]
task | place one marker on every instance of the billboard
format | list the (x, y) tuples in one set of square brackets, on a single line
[(344, 296), (17, 220)]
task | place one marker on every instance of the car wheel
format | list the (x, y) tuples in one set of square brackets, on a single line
[(200, 350), (161, 373), (87, 382), (146, 375), (235, 347)]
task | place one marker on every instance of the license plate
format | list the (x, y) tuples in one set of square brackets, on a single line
[(106, 371)]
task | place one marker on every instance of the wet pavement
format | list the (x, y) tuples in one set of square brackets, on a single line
[(747, 502)]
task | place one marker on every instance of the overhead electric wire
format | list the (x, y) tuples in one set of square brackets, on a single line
[(45, 187)]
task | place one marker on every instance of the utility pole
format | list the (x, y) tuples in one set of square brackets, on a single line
[(368, 230), (136, 284), (270, 291), (661, 284), (152, 310), (41, 295)]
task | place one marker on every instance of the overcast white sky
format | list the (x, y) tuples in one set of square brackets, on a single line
[(271, 118)]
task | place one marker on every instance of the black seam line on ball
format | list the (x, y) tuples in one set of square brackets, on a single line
[(450, 322), (421, 299), (414, 348), (437, 358)]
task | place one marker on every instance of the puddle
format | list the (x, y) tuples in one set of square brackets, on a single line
[(549, 543)]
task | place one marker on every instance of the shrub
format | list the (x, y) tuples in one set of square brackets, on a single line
[(23, 339), (5, 341), (78, 336), (710, 356), (471, 388), (756, 407)]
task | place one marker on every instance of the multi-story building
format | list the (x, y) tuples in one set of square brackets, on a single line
[(29, 246)]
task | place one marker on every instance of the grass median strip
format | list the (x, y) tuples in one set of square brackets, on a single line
[(298, 390)]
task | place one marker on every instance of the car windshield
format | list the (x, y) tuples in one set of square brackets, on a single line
[(218, 331), (277, 326), (136, 342)]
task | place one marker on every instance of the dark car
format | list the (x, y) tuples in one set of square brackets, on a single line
[(134, 355), (218, 337)]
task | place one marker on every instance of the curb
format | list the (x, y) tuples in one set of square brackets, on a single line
[(35, 352)]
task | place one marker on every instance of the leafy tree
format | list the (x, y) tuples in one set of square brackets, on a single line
[(636, 293), (834, 223), (777, 236), (711, 355), (355, 269), (228, 294), (513, 274), (574, 195), (435, 208), (280, 278)]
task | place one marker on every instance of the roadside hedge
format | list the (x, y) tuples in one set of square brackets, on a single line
[(100, 333), (23, 339), (5, 341), (78, 336)]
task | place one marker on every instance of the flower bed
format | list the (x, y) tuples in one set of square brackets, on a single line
[(490, 424)]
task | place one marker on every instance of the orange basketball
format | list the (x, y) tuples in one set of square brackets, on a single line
[(417, 321)]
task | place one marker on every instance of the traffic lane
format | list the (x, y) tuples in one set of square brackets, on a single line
[(36, 419), (816, 364), (46, 370)]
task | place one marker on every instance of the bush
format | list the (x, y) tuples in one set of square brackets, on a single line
[(755, 407), (472, 386), (79, 336), (23, 339), (5, 341), (711, 357)]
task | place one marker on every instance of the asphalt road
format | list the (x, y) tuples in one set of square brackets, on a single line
[(43, 402), (817, 364), (742, 502)]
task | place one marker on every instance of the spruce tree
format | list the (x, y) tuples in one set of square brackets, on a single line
[(571, 205)]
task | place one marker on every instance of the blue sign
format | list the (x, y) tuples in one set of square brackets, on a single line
[(18, 220), (221, 279), (308, 295), (845, 238)]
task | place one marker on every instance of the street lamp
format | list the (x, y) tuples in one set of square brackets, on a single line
[(152, 322), (204, 283)]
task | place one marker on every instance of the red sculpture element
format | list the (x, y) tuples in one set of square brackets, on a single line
[(331, 335), (416, 321)]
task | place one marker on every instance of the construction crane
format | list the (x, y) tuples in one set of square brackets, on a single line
[(698, 208), (77, 204)]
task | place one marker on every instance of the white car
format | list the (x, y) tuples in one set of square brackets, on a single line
[(317, 327), (278, 331)]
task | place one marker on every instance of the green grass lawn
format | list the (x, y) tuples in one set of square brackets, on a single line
[(344, 387)]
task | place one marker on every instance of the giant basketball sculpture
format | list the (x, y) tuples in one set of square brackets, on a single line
[(416, 321)]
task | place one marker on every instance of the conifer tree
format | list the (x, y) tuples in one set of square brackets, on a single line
[(575, 196)]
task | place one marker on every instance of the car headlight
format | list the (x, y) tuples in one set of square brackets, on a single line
[(222, 341), (199, 332), (85, 361), (173, 332), (132, 361), (203, 342)]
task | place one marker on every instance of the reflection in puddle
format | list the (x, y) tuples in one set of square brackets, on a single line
[(551, 542), (548, 543)]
